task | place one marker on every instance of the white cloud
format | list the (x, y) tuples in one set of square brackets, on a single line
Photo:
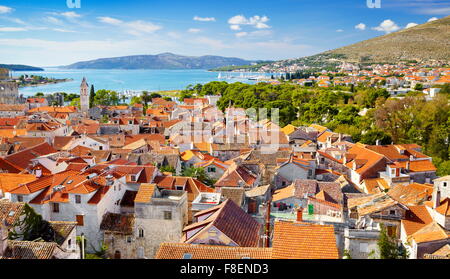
[(387, 26), (197, 18), (360, 26), (110, 20), (259, 22), (339, 30), (412, 24), (241, 34), (138, 27), (70, 15), (194, 30), (235, 27), (12, 29), (433, 19), (53, 20), (63, 30), (5, 10)]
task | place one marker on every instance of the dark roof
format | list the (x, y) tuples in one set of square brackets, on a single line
[(10, 211), (118, 223), (62, 230), (232, 221), (29, 250), (312, 187), (235, 194)]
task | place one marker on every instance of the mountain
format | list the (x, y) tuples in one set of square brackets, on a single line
[(13, 67), (429, 41), (422, 43), (160, 61)]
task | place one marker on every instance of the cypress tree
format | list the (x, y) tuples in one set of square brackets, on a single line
[(91, 96)]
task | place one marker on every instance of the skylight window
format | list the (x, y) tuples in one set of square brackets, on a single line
[(187, 256)]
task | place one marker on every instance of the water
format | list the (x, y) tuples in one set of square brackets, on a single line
[(122, 80)]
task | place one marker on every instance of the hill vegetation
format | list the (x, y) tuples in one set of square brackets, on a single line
[(160, 61)]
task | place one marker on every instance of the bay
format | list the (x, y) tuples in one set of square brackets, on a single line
[(126, 80)]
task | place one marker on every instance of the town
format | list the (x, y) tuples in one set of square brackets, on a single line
[(183, 179)]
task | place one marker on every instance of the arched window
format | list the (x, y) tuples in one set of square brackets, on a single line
[(141, 233)]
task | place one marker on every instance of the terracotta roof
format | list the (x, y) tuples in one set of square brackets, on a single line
[(412, 194), (22, 159), (181, 250), (10, 181), (416, 218), (303, 241), (428, 233), (444, 207), (145, 193)]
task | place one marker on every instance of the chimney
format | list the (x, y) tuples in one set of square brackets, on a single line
[(437, 199), (300, 215), (38, 172), (407, 166), (378, 142)]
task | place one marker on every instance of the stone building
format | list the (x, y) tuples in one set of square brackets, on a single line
[(159, 216), (9, 90)]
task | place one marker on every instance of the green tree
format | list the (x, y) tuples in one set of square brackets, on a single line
[(106, 97), (198, 173), (388, 246), (92, 96)]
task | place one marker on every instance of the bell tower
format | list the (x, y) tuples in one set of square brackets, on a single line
[(84, 97)]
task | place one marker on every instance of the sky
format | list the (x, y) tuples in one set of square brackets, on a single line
[(61, 32)]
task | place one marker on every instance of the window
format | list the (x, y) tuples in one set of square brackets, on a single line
[(212, 169), (133, 177), (129, 239), (20, 198), (77, 199), (392, 212), (80, 220), (69, 243), (444, 184), (167, 215), (141, 233), (56, 207)]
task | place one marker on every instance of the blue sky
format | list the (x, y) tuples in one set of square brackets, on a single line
[(49, 33)]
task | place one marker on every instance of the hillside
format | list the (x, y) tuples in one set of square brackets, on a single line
[(429, 41), (422, 43), (160, 61), (14, 67)]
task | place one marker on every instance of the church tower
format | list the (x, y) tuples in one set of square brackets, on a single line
[(84, 97)]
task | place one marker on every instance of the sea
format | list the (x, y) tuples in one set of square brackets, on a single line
[(129, 80)]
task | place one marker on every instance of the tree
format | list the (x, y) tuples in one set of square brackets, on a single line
[(39, 94), (198, 173), (418, 87), (106, 98), (92, 96), (388, 247)]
